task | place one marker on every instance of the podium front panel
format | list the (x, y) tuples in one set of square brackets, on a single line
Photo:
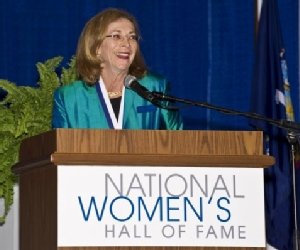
[(125, 206)]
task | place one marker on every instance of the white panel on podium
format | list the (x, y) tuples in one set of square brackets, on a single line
[(160, 206)]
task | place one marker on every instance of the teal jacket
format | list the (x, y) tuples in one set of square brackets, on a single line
[(77, 105)]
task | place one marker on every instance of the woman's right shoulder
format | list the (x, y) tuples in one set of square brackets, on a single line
[(72, 87)]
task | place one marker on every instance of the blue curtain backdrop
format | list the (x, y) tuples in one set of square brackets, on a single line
[(204, 47)]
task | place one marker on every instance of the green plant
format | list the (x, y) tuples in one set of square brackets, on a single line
[(25, 112)]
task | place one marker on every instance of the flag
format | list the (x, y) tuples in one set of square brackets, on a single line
[(271, 98)]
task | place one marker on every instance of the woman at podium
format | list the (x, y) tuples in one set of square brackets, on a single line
[(107, 52)]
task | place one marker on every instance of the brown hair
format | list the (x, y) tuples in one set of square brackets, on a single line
[(87, 62)]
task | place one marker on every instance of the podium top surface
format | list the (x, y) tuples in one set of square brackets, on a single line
[(183, 143)]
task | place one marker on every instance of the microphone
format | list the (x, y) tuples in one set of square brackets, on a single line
[(155, 98), (131, 83)]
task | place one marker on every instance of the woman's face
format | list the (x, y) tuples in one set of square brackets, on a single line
[(119, 47)]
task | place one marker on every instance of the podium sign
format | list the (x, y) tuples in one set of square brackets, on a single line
[(160, 206)]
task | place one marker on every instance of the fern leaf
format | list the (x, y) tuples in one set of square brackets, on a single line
[(24, 112), (69, 74), (48, 76), (11, 89), (7, 121)]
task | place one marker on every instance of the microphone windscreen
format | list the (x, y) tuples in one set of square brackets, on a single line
[(129, 79)]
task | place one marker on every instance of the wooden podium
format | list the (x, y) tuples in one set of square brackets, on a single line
[(42, 156)]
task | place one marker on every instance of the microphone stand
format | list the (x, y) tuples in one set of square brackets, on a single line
[(292, 129), (284, 124)]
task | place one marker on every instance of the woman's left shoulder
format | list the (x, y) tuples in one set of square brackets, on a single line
[(153, 81), (150, 76)]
